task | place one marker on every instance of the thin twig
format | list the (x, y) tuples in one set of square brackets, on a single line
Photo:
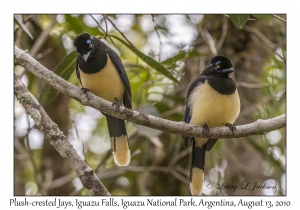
[(249, 85), (106, 34), (18, 36), (110, 173), (279, 18), (280, 56), (223, 34), (61, 181), (182, 170), (78, 138), (252, 108), (106, 30), (261, 36), (22, 151), (238, 164), (180, 177), (182, 154), (153, 16), (97, 23), (43, 54), (160, 44), (177, 109), (75, 192), (143, 87), (42, 38), (105, 16), (145, 168), (208, 40), (108, 154)]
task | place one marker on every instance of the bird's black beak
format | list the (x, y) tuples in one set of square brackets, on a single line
[(228, 70)]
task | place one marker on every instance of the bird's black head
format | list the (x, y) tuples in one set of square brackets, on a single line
[(85, 45), (220, 65)]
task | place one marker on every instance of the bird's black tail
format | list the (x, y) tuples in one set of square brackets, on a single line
[(197, 168), (118, 140)]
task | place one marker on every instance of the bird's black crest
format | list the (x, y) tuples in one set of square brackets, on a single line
[(82, 43), (81, 39), (226, 63)]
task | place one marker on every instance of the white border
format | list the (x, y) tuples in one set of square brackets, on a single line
[(153, 6)]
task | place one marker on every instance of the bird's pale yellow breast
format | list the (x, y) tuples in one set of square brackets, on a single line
[(106, 84), (210, 107)]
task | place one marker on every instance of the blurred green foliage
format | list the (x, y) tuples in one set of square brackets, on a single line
[(157, 51)]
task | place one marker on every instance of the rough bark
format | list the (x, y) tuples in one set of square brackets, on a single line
[(58, 140)]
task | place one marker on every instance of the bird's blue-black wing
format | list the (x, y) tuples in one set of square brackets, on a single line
[(77, 72), (187, 114), (114, 57), (200, 80)]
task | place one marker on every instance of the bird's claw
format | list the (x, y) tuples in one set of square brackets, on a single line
[(231, 127), (205, 128), (84, 90), (117, 104)]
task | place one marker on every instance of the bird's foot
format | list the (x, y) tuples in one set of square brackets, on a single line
[(205, 128), (117, 104), (231, 127), (84, 90)]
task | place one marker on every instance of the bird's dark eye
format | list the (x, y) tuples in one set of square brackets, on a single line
[(218, 66), (90, 45)]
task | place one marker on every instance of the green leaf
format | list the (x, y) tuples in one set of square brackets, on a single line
[(150, 61), (179, 56), (264, 17), (64, 69), (239, 20), (22, 25)]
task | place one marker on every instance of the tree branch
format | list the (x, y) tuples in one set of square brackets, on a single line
[(181, 128), (58, 139)]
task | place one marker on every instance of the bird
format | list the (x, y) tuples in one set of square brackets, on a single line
[(212, 100), (101, 71)]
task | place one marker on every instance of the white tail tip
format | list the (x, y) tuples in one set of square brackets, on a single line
[(121, 153), (197, 181)]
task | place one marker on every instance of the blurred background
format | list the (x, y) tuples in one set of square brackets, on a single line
[(184, 45)]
